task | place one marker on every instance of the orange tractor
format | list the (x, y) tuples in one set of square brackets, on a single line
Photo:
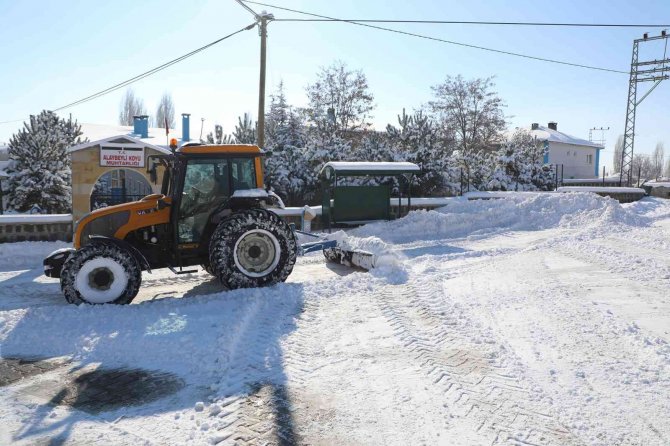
[(212, 211)]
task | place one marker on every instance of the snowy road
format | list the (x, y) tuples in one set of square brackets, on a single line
[(534, 320)]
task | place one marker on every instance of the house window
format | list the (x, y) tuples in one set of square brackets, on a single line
[(589, 158)]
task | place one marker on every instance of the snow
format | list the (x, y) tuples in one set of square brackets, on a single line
[(250, 193), (608, 179), (621, 190), (36, 218), (547, 134), (372, 165), (657, 183), (102, 132), (530, 319)]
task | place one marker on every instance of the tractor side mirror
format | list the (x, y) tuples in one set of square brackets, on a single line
[(162, 204)]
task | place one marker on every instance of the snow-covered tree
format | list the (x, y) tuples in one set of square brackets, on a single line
[(39, 170), (218, 136), (519, 165), (418, 139), (472, 110), (245, 130), (165, 112), (339, 100), (131, 106), (283, 125), (287, 171)]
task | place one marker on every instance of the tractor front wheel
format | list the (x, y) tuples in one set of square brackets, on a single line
[(101, 273), (252, 248)]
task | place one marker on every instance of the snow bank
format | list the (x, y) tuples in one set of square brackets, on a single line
[(620, 190), (36, 218), (515, 212), (26, 254)]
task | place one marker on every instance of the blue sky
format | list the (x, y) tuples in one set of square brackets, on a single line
[(54, 52)]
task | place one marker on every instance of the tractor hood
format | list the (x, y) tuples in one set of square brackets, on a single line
[(118, 221)]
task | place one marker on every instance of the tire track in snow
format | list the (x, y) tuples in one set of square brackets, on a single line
[(473, 382), (588, 352), (253, 401)]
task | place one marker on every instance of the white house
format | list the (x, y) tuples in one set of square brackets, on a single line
[(577, 157)]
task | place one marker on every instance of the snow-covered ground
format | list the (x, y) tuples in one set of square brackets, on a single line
[(534, 319)]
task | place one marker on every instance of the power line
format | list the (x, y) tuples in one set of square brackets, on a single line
[(143, 75), (437, 39), (477, 22)]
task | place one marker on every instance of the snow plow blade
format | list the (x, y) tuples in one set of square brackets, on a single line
[(361, 259)]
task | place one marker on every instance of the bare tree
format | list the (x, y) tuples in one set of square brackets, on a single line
[(666, 174), (130, 106), (339, 99), (471, 109), (643, 168), (165, 112), (657, 160), (618, 151)]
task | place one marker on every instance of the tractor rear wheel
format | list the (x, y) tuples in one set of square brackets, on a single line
[(101, 273), (252, 248)]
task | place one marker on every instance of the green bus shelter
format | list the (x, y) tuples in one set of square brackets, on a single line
[(350, 204)]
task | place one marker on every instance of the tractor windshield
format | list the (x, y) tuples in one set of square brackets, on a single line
[(206, 185)]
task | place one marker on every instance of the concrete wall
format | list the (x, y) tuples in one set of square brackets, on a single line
[(659, 191), (86, 170), (22, 232), (574, 159)]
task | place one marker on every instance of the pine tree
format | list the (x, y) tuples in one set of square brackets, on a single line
[(418, 139), (39, 171), (287, 170), (519, 165), (245, 130)]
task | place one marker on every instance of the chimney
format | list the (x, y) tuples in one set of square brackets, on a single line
[(185, 127), (534, 126), (141, 126), (553, 125)]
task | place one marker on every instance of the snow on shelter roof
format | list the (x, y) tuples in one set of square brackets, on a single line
[(546, 134), (362, 167)]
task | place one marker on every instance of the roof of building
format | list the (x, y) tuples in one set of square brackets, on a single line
[(546, 134), (97, 133)]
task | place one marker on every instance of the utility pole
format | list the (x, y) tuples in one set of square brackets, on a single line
[(645, 71), (262, 19), (601, 141)]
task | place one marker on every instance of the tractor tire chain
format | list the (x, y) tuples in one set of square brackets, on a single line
[(472, 385)]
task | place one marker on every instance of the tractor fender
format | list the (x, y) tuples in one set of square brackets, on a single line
[(125, 245), (53, 263)]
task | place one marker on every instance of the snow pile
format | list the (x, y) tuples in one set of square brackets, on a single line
[(515, 212), (650, 207)]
